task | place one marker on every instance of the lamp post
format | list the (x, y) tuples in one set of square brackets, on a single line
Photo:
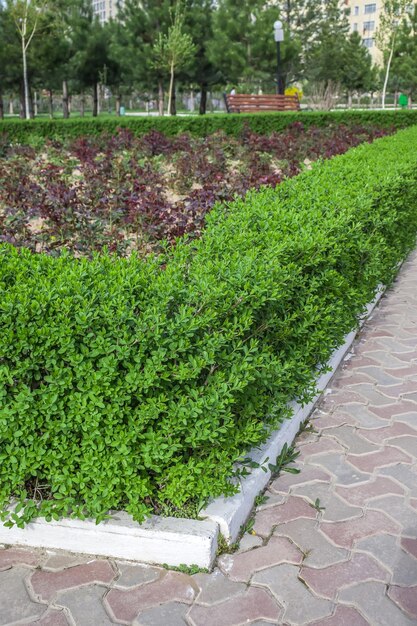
[(279, 36)]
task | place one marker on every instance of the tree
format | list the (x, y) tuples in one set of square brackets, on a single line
[(92, 63), (27, 16), (357, 72), (201, 71), (243, 48), (142, 21), (404, 63), (326, 42), (392, 12), (173, 50)]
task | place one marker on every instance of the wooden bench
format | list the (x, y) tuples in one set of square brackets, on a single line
[(247, 103)]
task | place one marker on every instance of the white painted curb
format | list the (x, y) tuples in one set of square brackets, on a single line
[(158, 540), (230, 513), (170, 540)]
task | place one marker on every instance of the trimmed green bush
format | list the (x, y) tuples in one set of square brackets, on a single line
[(131, 384), (23, 131)]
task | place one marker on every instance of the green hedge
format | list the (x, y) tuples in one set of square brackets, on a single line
[(134, 384), (23, 131)]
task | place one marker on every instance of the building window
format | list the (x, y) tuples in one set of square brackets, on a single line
[(368, 42), (356, 11), (369, 26), (355, 27), (370, 8)]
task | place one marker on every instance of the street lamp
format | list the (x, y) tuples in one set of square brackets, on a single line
[(279, 36)]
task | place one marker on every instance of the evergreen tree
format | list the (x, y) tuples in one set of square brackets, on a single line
[(357, 72), (404, 65)]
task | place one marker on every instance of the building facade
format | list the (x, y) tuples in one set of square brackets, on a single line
[(106, 9), (364, 18)]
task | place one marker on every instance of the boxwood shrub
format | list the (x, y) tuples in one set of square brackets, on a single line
[(132, 384), (22, 131)]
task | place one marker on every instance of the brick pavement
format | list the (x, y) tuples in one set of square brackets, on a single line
[(350, 561)]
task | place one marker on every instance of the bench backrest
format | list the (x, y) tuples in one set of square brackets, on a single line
[(247, 103)]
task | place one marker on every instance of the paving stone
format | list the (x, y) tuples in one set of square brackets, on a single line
[(335, 509), (372, 395), (58, 561), (379, 435), (409, 418), (404, 474), (215, 588), (370, 462), (323, 445), (343, 616), (15, 602), (362, 494), (404, 372), (339, 399), (255, 604), (293, 508), (350, 439), (345, 534), (338, 417), (361, 416), (406, 598), (400, 408), (248, 542), (85, 605), (285, 481), (171, 614), (272, 499), (381, 376), (47, 584), (345, 474), (371, 601), (328, 581), (386, 549), (53, 617), (241, 567), (132, 575), (410, 545), (395, 507), (381, 357), (300, 605), (406, 357), (16, 556), (125, 605), (345, 379), (318, 551), (408, 443)]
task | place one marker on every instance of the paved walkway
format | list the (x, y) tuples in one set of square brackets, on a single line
[(349, 560)]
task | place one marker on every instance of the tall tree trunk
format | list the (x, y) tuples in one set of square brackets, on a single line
[(171, 86), (82, 105), (173, 110), (95, 100), (160, 97), (25, 76), (384, 89), (11, 106), (65, 100), (31, 108), (22, 110), (349, 99), (192, 101), (35, 104), (50, 104), (203, 99), (1, 107), (118, 104)]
